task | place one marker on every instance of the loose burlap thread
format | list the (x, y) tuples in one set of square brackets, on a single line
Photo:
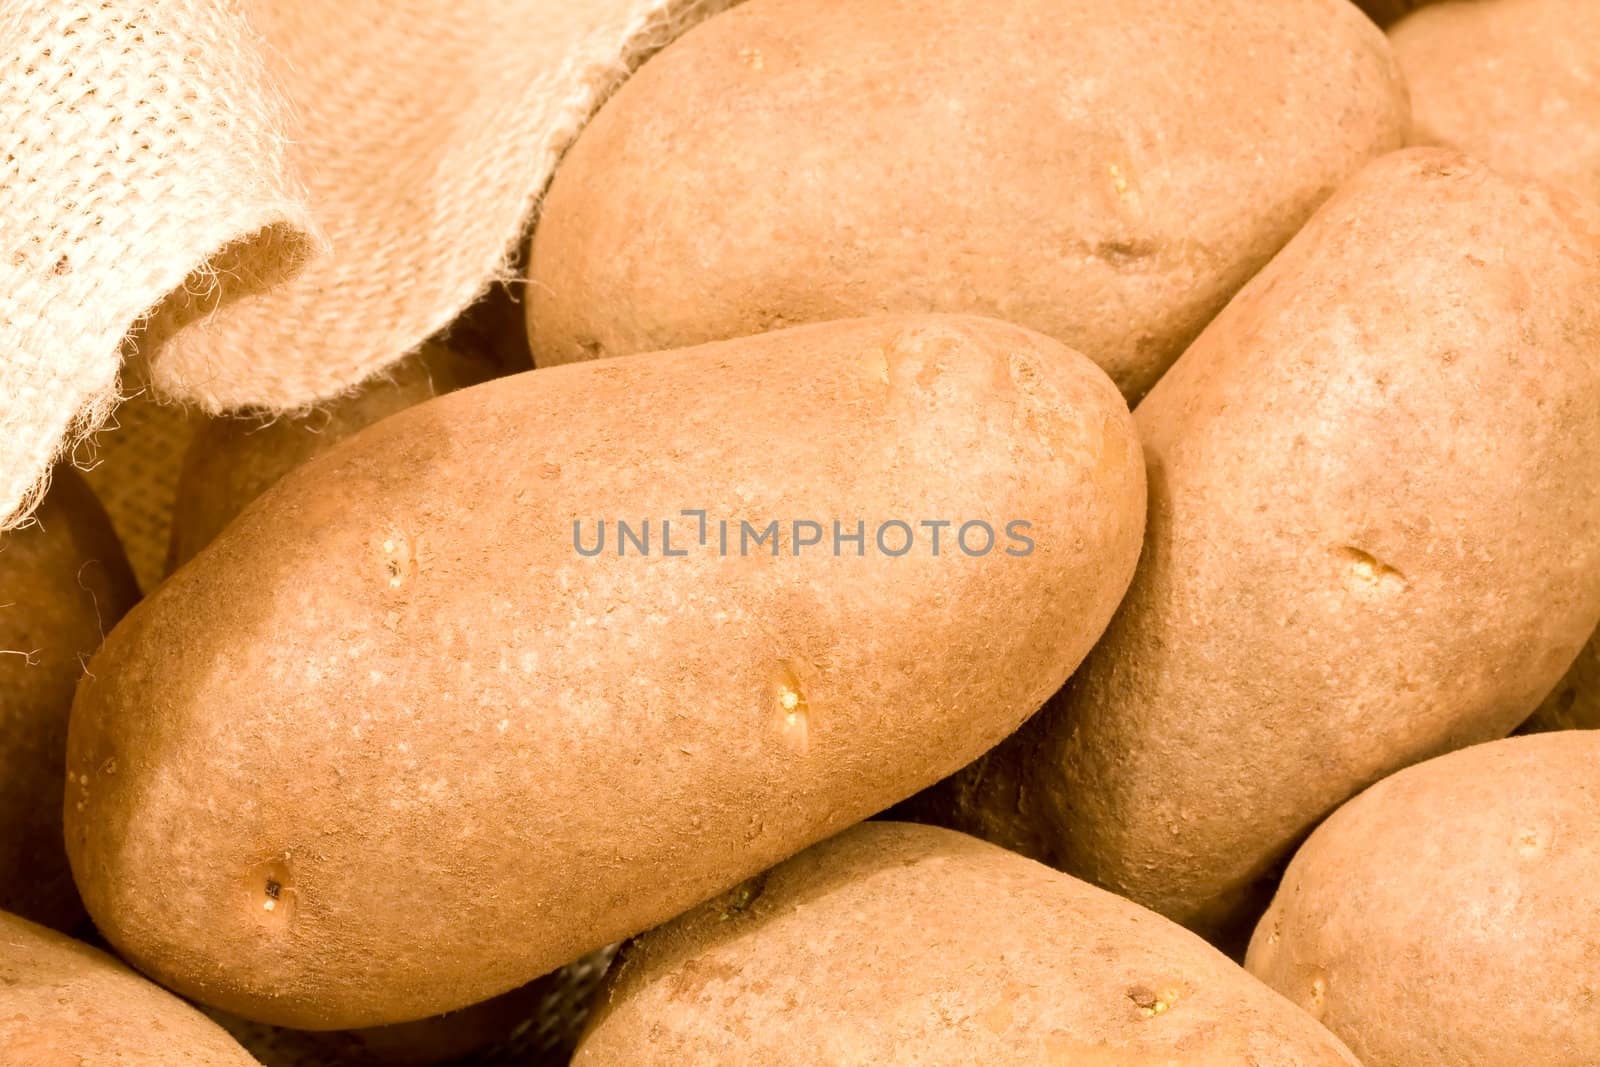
[(264, 202)]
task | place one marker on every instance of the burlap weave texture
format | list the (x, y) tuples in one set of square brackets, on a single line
[(267, 201)]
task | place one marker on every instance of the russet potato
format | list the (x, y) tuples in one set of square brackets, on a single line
[(1108, 172), (394, 743), (1372, 538), (1446, 915), (894, 943)]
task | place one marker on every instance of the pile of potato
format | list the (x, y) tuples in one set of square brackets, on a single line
[(1247, 362)]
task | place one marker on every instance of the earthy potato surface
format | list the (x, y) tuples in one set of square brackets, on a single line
[(1108, 172), (903, 944), (394, 743), (1515, 83), (1446, 916), (64, 581), (64, 1003), (1368, 544), (233, 459)]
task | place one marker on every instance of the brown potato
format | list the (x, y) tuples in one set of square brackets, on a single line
[(62, 1002), (393, 744), (1108, 172), (1515, 83), (63, 582), (894, 943), (1366, 545), (234, 458), (1574, 704), (1446, 916)]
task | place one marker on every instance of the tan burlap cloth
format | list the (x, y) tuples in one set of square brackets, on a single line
[(258, 203)]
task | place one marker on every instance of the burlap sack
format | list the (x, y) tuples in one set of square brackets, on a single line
[(268, 200)]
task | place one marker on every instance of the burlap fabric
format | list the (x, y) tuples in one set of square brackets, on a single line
[(266, 201), (136, 461)]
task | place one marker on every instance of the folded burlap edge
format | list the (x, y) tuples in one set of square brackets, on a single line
[(143, 180), (194, 365), (259, 240)]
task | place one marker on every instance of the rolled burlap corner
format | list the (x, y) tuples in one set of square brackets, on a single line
[(267, 202)]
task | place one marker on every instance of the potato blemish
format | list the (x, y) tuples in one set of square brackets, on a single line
[(793, 715), (1150, 1002), (400, 559), (272, 891), (1317, 998), (1367, 572)]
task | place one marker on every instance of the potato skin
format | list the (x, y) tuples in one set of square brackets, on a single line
[(62, 1002), (904, 944), (233, 459), (1108, 172), (1515, 83), (1366, 545), (63, 581), (462, 755), (1446, 915)]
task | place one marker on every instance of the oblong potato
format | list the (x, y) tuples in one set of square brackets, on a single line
[(892, 937), (1366, 544), (1515, 83), (1446, 916), (63, 582), (232, 459), (1106, 171), (391, 744), (62, 1002)]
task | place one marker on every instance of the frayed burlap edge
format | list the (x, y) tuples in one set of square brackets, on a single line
[(144, 143)]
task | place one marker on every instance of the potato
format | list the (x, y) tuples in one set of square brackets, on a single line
[(62, 1002), (395, 743), (1366, 545), (1574, 704), (1447, 915), (63, 580), (1108, 172), (234, 458), (895, 943), (1515, 83)]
